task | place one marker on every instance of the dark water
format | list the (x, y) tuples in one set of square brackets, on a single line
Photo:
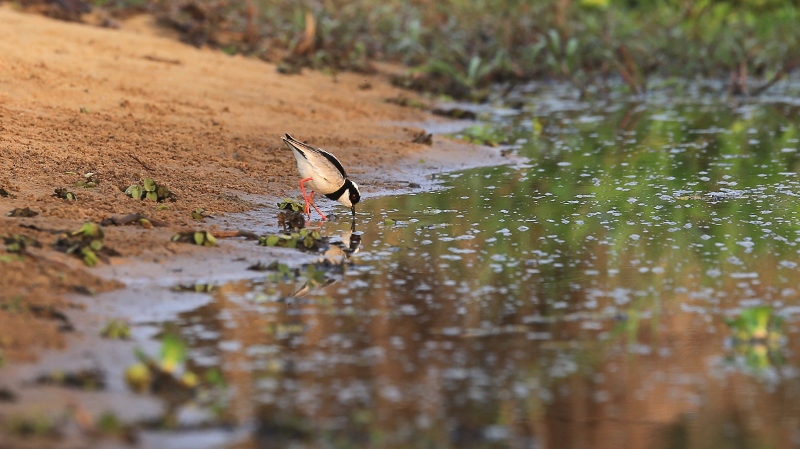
[(576, 300)]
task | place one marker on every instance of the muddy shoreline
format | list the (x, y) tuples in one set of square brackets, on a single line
[(128, 104), (124, 105)]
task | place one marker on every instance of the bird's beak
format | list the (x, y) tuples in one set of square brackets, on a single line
[(353, 208)]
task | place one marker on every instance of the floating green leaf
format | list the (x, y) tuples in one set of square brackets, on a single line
[(270, 240), (173, 353), (116, 330), (198, 288), (138, 377), (89, 229), (202, 238), (304, 239), (197, 214)]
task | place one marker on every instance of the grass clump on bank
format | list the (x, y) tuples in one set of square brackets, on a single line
[(458, 47)]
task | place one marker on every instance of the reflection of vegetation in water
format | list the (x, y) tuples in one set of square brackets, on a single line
[(591, 281), (757, 338), (177, 379)]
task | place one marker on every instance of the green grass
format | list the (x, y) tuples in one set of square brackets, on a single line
[(459, 47)]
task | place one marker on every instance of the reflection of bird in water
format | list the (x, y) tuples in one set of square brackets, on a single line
[(341, 250), (332, 261)]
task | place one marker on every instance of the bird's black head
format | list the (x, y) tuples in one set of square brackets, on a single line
[(354, 196)]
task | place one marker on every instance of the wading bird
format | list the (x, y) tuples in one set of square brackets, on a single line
[(324, 174)]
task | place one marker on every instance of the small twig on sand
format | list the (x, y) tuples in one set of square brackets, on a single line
[(140, 162), (228, 234)]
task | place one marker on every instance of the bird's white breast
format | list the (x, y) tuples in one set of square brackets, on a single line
[(325, 178)]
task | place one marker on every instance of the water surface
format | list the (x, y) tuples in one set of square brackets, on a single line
[(574, 300)]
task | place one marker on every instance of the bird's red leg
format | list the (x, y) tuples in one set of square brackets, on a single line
[(311, 200), (306, 199)]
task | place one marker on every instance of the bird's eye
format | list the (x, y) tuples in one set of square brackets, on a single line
[(354, 197)]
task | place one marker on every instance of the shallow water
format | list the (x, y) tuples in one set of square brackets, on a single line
[(577, 299)]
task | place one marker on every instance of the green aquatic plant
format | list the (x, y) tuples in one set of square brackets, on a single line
[(290, 204), (85, 243), (304, 239), (116, 330), (482, 134), (198, 214), (201, 238), (197, 288), (150, 191)]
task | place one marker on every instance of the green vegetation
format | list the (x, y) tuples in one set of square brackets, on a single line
[(202, 238), (86, 244), (116, 330), (151, 191), (304, 239), (458, 47), (758, 339)]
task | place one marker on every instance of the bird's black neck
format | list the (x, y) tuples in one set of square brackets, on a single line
[(338, 194)]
